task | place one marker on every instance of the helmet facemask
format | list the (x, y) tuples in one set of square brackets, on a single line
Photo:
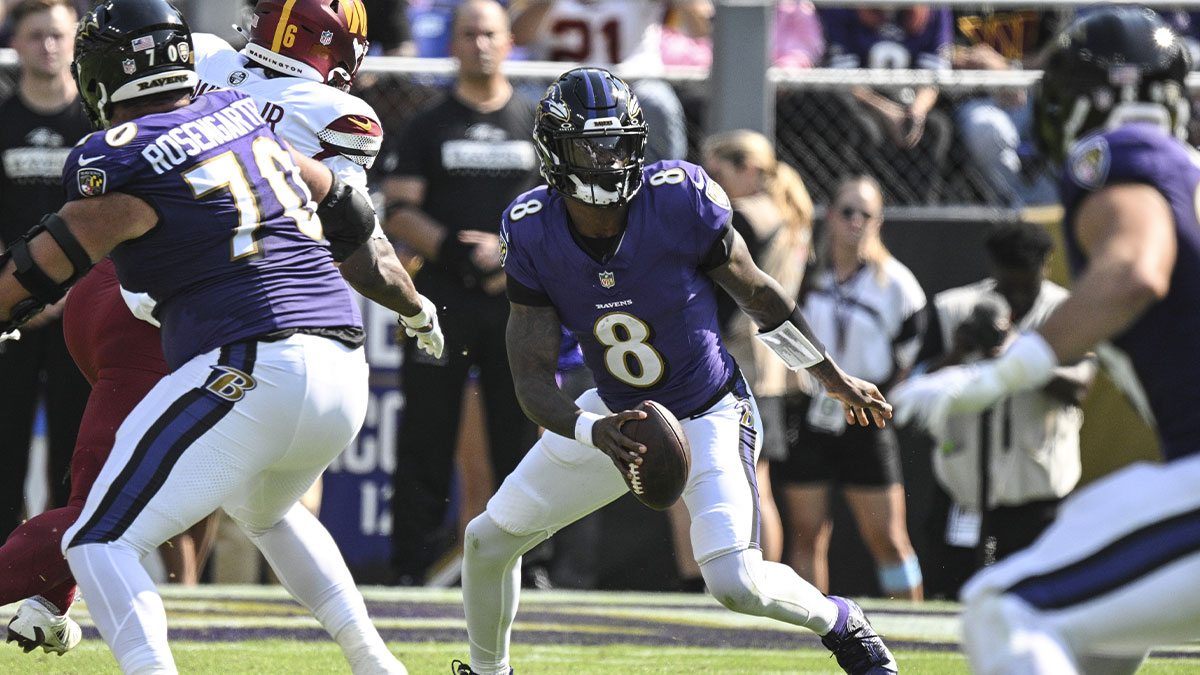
[(595, 167)]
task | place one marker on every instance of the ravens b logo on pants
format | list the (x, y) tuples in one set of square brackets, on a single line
[(229, 383)]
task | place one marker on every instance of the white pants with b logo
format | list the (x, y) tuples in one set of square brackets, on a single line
[(248, 428)]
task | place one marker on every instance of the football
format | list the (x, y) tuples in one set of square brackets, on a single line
[(659, 480)]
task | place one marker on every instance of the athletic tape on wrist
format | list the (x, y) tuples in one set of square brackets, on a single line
[(421, 318), (789, 342), (583, 427)]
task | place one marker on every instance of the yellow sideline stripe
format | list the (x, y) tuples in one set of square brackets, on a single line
[(279, 28)]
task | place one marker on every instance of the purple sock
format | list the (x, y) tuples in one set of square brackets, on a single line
[(843, 612)]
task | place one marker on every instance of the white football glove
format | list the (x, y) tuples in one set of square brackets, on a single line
[(929, 400), (961, 390), (424, 327), (142, 306), (13, 334)]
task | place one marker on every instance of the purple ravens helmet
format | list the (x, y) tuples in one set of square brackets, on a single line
[(590, 135)]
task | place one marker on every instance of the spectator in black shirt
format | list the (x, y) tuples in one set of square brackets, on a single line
[(449, 178), (39, 124)]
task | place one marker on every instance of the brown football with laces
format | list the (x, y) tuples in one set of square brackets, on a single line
[(659, 480)]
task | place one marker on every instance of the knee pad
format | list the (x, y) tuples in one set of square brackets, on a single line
[(901, 576), (735, 579), (251, 531), (485, 541)]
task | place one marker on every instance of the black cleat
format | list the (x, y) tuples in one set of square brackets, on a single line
[(459, 668), (858, 648)]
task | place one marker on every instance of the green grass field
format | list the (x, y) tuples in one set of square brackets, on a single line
[(228, 630)]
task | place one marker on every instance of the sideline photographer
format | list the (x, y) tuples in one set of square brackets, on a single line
[(1030, 440)]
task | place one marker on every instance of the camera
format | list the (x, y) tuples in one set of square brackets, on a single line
[(988, 324)]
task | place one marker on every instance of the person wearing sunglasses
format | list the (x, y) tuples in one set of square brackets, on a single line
[(867, 308)]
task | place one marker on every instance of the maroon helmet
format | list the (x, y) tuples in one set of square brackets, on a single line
[(320, 40)]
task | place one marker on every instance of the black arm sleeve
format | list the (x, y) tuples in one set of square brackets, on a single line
[(718, 254), (523, 295), (347, 217), (932, 345)]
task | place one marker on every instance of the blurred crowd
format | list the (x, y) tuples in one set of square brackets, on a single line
[(811, 207)]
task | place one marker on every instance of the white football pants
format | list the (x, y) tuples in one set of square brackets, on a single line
[(247, 428), (1117, 573), (561, 480)]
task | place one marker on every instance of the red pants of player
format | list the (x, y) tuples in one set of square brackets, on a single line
[(122, 358)]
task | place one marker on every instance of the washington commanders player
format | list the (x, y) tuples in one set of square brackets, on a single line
[(301, 58), (297, 51)]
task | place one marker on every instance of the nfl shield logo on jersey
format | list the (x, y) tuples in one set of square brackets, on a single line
[(607, 279), (326, 37), (129, 66)]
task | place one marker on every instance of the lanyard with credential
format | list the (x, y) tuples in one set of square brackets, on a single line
[(843, 307)]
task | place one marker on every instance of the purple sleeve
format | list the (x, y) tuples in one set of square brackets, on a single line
[(938, 38), (711, 205), (96, 166), (515, 257)]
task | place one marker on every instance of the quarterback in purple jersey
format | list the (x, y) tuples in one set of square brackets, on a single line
[(203, 208), (626, 256), (1117, 572)]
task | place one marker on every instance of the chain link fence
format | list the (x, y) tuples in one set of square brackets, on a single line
[(818, 127), (823, 131)]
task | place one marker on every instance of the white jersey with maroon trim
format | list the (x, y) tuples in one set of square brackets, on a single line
[(602, 33), (320, 121)]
